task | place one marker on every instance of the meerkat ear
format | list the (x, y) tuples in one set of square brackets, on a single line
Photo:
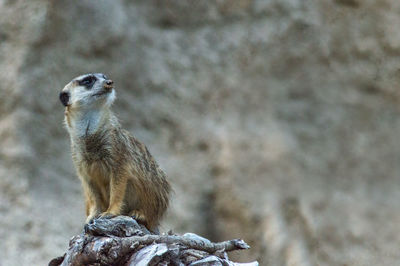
[(64, 98)]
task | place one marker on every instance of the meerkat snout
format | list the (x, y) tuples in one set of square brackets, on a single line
[(108, 84)]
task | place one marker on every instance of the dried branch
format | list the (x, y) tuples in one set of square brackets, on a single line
[(122, 241), (188, 241)]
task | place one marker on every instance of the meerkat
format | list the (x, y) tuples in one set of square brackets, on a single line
[(118, 174)]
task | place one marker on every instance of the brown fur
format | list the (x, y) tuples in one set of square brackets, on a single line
[(119, 175)]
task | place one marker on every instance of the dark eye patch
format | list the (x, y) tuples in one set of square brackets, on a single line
[(87, 82)]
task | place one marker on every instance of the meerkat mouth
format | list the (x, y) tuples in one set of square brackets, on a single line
[(101, 93)]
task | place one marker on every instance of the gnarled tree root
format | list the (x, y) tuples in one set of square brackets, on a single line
[(122, 241)]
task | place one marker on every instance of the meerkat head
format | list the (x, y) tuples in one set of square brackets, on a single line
[(88, 91)]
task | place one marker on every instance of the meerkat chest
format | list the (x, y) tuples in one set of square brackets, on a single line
[(96, 172), (93, 148), (95, 169), (93, 155)]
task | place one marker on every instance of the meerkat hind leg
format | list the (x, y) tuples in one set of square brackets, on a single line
[(138, 216), (141, 219)]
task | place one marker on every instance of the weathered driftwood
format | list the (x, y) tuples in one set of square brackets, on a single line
[(122, 241)]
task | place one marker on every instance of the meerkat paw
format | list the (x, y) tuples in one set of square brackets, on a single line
[(139, 217), (106, 215), (92, 216)]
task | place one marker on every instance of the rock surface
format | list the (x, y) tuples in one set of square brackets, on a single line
[(276, 121)]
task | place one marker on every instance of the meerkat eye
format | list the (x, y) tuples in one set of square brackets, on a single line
[(88, 82)]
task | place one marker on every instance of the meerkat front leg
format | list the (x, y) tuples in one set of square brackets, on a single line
[(117, 195), (92, 201)]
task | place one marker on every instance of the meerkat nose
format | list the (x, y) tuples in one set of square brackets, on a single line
[(108, 84)]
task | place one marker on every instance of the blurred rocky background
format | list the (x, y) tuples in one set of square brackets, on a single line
[(277, 121)]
